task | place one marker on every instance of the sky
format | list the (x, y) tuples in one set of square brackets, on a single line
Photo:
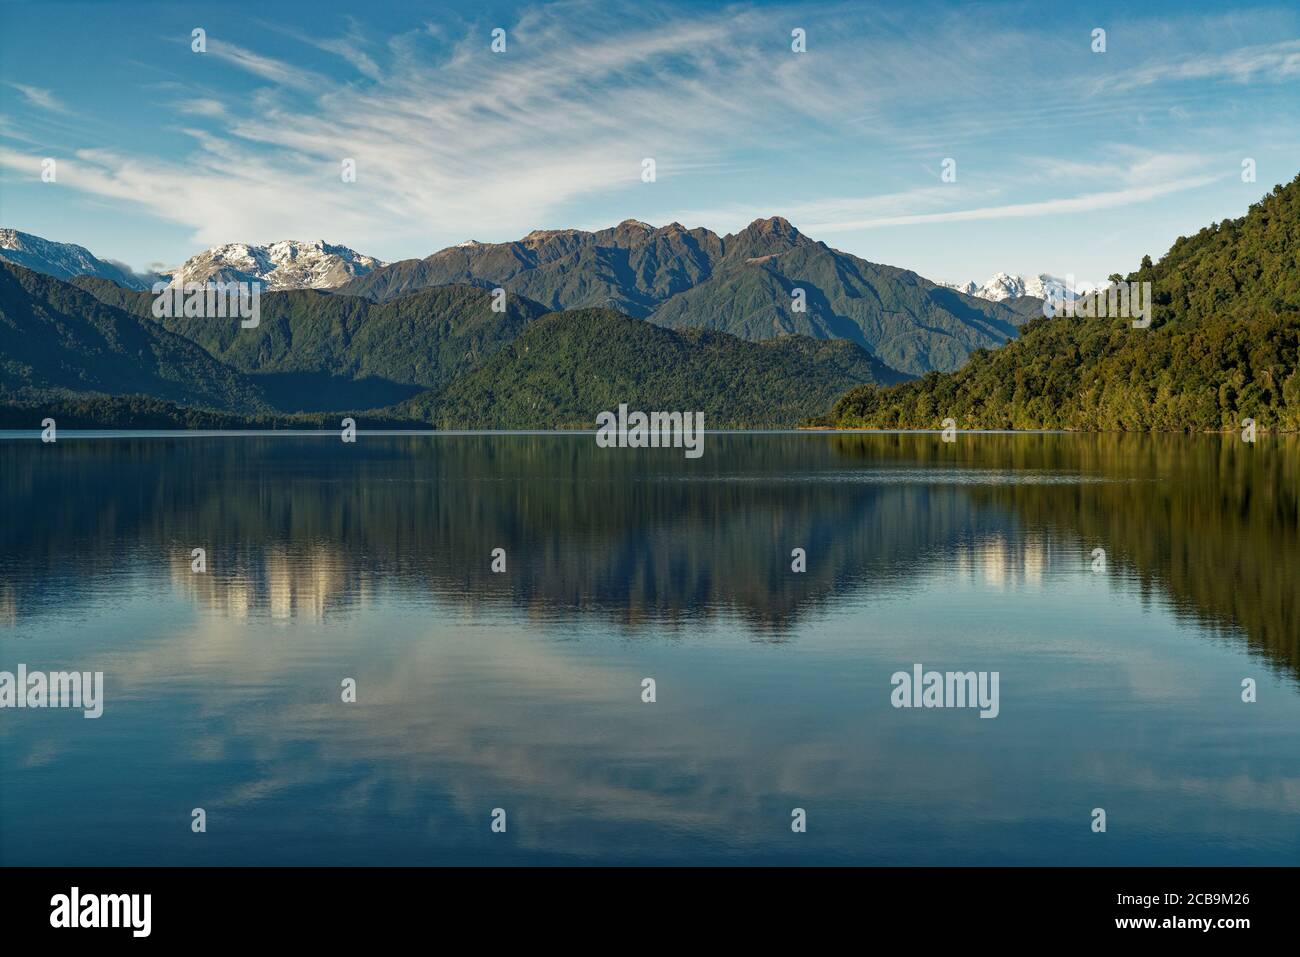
[(1066, 160)]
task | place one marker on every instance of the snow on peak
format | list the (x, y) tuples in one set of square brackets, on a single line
[(1012, 286), (62, 260), (287, 264)]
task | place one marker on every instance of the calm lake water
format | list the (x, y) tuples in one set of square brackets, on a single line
[(1120, 688)]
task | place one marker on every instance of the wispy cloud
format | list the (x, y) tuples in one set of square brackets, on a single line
[(268, 68), (809, 215), (1086, 203), (350, 47), (202, 106), (1271, 61), (42, 98), (1141, 175), (451, 140), (500, 141)]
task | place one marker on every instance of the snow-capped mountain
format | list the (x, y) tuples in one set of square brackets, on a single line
[(284, 265), (1008, 286), (63, 260)]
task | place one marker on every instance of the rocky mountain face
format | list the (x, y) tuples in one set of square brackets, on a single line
[(743, 283), (62, 260), (631, 267), (283, 265)]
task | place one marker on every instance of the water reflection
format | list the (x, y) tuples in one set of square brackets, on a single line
[(305, 526), (522, 689)]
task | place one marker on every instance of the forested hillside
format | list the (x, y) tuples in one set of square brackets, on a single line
[(1222, 347), (566, 367)]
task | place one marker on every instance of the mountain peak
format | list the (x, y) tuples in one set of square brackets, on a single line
[(539, 236), (773, 225), (1005, 285), (62, 260), (286, 264), (774, 228), (764, 237)]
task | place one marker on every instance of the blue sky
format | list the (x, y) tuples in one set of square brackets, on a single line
[(1067, 161)]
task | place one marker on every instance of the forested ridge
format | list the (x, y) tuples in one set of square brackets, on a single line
[(1221, 347)]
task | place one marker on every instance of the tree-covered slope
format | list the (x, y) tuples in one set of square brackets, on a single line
[(57, 341), (316, 350), (145, 412), (1222, 347), (566, 367)]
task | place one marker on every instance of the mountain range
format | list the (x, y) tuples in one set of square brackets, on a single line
[(1003, 286), (648, 315), (63, 260), (761, 327), (289, 264), (437, 356), (742, 283), (764, 281), (93, 349)]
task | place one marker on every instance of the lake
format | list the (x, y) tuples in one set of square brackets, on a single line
[(1120, 673)]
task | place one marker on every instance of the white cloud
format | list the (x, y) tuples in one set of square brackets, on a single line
[(451, 140), (1086, 203), (39, 97), (1271, 61), (266, 67), (496, 143), (202, 106), (807, 214), (1143, 176)]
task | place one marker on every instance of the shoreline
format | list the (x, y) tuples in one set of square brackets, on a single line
[(128, 432)]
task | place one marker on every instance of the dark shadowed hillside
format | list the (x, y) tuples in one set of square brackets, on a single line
[(57, 340), (567, 367), (315, 350)]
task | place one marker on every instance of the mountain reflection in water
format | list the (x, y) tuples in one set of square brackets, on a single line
[(475, 689)]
